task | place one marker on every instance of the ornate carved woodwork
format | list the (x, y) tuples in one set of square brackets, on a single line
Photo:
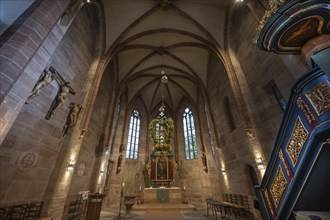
[(319, 96), (278, 186), (297, 141)]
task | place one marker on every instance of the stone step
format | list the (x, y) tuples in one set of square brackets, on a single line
[(164, 206)]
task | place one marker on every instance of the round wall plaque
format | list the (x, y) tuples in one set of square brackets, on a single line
[(27, 160)]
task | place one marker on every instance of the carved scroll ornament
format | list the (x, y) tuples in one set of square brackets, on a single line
[(297, 141), (305, 109), (274, 5), (319, 96), (278, 186)]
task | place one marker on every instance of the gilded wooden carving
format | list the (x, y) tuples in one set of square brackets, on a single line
[(278, 186), (270, 206), (285, 164), (319, 96), (274, 5), (297, 141), (148, 167), (175, 168), (305, 109)]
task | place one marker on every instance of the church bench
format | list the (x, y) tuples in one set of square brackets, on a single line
[(21, 212), (231, 204), (239, 204), (218, 206), (209, 205)]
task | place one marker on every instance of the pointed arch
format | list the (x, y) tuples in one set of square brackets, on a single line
[(132, 151), (189, 133)]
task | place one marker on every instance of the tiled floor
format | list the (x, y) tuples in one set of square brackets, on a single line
[(159, 215), (159, 212)]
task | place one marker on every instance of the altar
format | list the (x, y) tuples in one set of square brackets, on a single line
[(162, 195), (161, 166)]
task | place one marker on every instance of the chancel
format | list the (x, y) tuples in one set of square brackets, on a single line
[(161, 166), (164, 109)]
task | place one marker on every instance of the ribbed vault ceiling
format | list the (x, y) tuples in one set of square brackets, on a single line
[(147, 36)]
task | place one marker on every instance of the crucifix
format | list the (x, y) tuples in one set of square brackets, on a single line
[(64, 90), (45, 79)]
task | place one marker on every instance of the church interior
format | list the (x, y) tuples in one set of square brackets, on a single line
[(164, 109)]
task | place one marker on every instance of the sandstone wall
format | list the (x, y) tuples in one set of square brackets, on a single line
[(116, 178), (87, 174), (234, 150), (259, 69), (32, 138)]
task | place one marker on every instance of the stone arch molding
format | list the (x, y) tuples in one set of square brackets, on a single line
[(126, 41)]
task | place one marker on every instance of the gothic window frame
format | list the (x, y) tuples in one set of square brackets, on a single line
[(209, 130), (272, 89), (133, 137), (229, 114), (279, 97), (114, 132), (189, 134)]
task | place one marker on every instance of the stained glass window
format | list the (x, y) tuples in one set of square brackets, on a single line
[(132, 150), (189, 133)]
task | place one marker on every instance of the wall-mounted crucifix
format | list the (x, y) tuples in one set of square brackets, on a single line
[(71, 119), (63, 92), (45, 79)]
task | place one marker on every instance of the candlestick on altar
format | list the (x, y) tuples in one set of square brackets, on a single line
[(184, 195), (139, 196)]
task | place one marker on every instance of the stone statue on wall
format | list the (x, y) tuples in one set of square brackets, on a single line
[(147, 173), (122, 148), (72, 117), (63, 92), (120, 158), (204, 162), (45, 79), (137, 183)]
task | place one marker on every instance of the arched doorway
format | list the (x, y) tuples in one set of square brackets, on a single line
[(252, 180)]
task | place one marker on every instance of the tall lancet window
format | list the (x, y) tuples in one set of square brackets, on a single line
[(229, 114), (132, 151), (189, 133)]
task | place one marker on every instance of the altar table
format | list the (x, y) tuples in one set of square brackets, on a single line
[(158, 195)]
